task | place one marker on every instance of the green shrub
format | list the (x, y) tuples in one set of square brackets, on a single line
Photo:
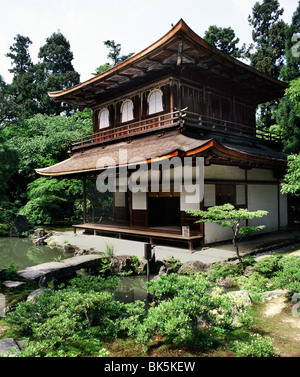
[(62, 319), (255, 283), (182, 305), (218, 271), (288, 276), (258, 346), (268, 265)]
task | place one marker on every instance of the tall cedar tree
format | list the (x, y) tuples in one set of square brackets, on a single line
[(54, 72), (114, 55), (20, 93), (291, 70), (269, 36), (225, 40)]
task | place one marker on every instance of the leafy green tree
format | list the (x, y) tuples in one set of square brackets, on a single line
[(51, 200), (41, 141), (54, 72), (291, 183), (9, 159), (225, 40), (227, 216), (7, 104), (288, 118)]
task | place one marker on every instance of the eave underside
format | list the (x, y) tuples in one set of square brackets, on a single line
[(181, 49)]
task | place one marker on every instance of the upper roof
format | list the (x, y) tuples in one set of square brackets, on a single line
[(181, 46)]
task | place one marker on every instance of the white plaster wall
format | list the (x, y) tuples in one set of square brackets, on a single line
[(261, 175), (120, 199), (264, 197), (223, 172), (283, 211), (215, 233), (139, 200), (190, 197), (209, 195)]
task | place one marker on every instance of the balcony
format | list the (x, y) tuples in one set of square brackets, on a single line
[(180, 118)]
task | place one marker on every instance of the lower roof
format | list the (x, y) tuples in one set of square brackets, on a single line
[(157, 147)]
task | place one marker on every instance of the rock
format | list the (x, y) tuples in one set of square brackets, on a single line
[(192, 267), (9, 344), (270, 294), (69, 248), (60, 271), (244, 295), (12, 284), (41, 241), (19, 226), (121, 263), (39, 233), (34, 294), (227, 282), (249, 271)]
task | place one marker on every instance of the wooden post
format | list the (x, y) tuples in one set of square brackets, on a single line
[(84, 200)]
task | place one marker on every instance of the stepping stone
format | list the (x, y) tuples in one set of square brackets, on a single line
[(12, 284), (7, 344)]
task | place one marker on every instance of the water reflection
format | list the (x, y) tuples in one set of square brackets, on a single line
[(132, 288), (22, 253)]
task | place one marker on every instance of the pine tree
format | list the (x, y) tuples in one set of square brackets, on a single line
[(225, 40), (114, 55), (21, 91), (292, 68), (269, 35), (54, 72)]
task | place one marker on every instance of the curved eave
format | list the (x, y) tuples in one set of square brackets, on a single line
[(76, 94), (87, 163)]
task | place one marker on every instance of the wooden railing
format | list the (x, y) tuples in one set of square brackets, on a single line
[(205, 123), (181, 117), (128, 129)]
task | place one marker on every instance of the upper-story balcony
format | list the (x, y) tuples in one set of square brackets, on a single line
[(201, 124)]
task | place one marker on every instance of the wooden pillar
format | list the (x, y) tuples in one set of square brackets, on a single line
[(84, 201)]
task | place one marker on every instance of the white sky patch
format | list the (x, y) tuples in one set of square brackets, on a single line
[(135, 24)]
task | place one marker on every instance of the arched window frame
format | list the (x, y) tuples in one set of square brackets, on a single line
[(106, 122), (154, 107), (127, 118)]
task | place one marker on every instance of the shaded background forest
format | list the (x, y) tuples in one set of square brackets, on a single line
[(35, 131)]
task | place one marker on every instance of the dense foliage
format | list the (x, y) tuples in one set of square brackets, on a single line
[(185, 310)]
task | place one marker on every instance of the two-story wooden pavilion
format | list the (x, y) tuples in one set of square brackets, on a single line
[(180, 97)]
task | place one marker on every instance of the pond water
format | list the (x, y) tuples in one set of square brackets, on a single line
[(132, 288), (22, 253)]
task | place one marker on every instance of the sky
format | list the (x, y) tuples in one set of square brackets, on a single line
[(135, 24)]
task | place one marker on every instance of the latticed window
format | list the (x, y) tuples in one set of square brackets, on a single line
[(103, 119), (127, 111), (155, 102)]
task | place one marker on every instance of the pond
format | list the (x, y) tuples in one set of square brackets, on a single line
[(132, 288), (22, 253)]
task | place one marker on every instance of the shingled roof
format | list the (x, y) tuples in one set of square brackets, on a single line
[(180, 46)]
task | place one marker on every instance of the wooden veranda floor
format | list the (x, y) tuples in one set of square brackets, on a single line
[(167, 233)]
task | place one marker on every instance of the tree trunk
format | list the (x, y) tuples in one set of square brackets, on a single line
[(235, 244)]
